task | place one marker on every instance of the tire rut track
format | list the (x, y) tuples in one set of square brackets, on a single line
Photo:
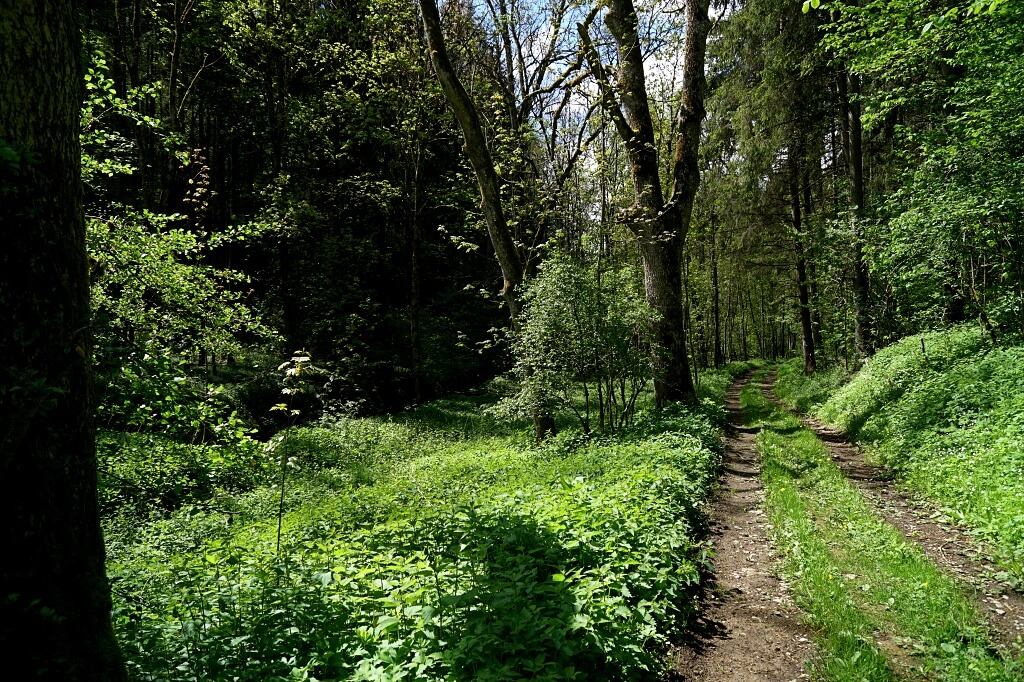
[(949, 547), (749, 630)]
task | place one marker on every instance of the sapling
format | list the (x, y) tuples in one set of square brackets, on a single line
[(294, 371)]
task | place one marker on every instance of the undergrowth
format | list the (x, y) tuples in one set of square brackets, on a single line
[(945, 412), (881, 606), (435, 545)]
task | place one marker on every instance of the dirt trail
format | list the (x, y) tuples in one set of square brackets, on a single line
[(749, 630), (949, 547)]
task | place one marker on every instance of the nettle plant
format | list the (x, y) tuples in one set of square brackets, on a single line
[(167, 438)]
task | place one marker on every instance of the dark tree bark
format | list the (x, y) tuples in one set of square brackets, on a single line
[(415, 282), (54, 596), (479, 155), (719, 358), (660, 225), (803, 290), (812, 270), (853, 148)]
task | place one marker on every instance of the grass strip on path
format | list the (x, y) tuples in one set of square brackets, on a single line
[(882, 608), (944, 411)]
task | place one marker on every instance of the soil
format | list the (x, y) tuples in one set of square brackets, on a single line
[(749, 628), (949, 547)]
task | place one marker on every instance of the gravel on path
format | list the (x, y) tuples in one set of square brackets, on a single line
[(749, 629)]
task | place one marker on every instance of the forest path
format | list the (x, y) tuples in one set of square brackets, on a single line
[(748, 628), (955, 552)]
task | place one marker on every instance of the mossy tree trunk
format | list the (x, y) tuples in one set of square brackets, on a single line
[(54, 597), (659, 224)]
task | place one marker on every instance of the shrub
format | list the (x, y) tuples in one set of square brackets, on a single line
[(582, 327)]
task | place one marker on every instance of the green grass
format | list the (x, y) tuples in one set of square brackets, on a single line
[(806, 392), (436, 545), (949, 421), (882, 609)]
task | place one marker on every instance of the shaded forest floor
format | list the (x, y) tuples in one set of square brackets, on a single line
[(437, 544)]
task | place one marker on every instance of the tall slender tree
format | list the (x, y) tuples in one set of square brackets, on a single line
[(479, 157), (853, 149), (478, 152), (54, 597)]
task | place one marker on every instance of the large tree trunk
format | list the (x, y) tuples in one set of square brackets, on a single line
[(660, 226), (54, 597), (663, 288)]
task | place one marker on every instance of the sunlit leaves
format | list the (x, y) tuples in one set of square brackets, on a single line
[(434, 556), (810, 4)]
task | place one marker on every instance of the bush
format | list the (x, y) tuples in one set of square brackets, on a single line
[(806, 392), (143, 473), (582, 326)]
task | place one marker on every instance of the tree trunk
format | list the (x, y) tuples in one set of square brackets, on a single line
[(663, 288), (719, 359), (479, 155), (853, 147), (414, 277), (806, 328), (660, 226), (54, 596), (812, 270), (479, 158)]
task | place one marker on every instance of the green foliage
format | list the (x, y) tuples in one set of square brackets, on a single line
[(715, 383), (107, 151), (412, 552), (168, 440), (146, 474), (805, 392), (943, 410), (582, 324), (155, 393), (859, 578), (151, 289), (947, 242)]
